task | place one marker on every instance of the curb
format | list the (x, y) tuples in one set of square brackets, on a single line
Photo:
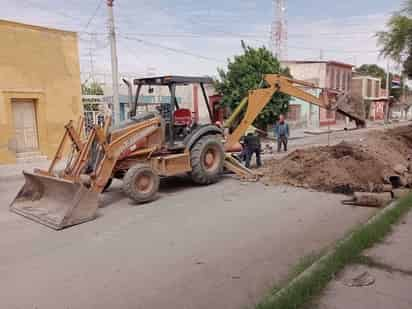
[(294, 284), (323, 132)]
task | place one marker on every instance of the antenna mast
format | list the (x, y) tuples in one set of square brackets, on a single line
[(279, 32)]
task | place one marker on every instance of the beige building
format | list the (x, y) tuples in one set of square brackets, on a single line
[(368, 90), (366, 87), (39, 89)]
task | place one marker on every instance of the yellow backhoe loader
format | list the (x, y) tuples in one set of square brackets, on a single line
[(152, 144)]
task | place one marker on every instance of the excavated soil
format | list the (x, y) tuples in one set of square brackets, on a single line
[(345, 167)]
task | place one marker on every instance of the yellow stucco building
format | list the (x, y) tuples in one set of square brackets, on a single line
[(40, 88)]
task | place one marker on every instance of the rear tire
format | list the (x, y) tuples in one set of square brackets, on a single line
[(207, 158), (141, 183)]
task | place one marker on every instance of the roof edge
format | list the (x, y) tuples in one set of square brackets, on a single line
[(333, 62), (35, 27)]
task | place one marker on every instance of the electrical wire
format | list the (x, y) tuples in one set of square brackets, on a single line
[(172, 49), (40, 7), (99, 5)]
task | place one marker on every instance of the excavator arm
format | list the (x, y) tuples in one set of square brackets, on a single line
[(259, 98)]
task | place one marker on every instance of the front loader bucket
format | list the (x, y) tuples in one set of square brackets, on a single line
[(55, 202)]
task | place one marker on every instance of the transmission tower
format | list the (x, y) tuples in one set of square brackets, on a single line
[(279, 32)]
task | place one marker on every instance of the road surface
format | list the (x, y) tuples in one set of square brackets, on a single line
[(221, 246)]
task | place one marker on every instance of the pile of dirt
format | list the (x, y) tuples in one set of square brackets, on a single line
[(346, 167)]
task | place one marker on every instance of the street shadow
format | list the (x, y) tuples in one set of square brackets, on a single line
[(168, 185), (175, 184), (113, 195)]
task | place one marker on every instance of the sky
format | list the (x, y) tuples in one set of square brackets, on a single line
[(197, 37)]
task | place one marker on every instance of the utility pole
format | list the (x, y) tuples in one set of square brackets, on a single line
[(115, 70), (388, 92), (91, 66)]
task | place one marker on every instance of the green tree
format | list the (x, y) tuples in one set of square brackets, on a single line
[(378, 72), (244, 73), (374, 71), (397, 41), (92, 88)]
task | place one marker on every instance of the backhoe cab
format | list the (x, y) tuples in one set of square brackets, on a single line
[(180, 122)]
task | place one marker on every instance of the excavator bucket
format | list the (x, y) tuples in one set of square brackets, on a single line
[(353, 108), (55, 202)]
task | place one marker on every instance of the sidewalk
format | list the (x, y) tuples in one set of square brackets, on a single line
[(298, 138), (342, 127), (14, 171), (382, 280)]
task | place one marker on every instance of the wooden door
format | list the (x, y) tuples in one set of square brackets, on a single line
[(25, 125)]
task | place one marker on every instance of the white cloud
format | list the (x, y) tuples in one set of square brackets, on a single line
[(347, 39), (351, 39)]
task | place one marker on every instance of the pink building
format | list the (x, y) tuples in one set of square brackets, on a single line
[(325, 74)]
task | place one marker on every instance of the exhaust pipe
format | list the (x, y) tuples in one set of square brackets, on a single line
[(130, 92), (132, 99)]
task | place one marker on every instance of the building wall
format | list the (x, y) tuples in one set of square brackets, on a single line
[(325, 74), (366, 87), (42, 65), (338, 77), (357, 88), (377, 110), (312, 72), (368, 90), (309, 113)]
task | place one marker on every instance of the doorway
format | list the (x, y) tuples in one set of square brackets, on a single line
[(25, 126)]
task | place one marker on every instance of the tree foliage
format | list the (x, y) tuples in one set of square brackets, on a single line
[(378, 72), (374, 71), (244, 73), (92, 88), (397, 41)]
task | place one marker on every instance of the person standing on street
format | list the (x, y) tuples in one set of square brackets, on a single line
[(282, 133), (252, 146)]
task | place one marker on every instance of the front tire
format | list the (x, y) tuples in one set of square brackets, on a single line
[(207, 158), (141, 183)]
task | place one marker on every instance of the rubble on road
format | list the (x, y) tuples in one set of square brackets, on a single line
[(370, 199), (347, 167)]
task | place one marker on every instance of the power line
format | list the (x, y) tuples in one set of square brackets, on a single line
[(234, 35), (192, 22), (337, 50), (99, 5), (43, 8), (172, 49)]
